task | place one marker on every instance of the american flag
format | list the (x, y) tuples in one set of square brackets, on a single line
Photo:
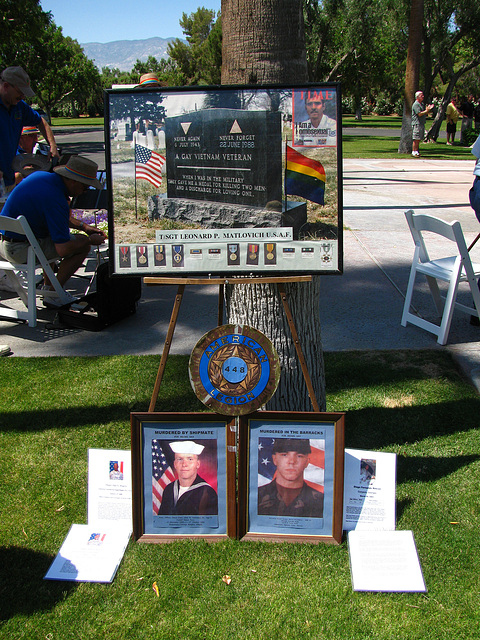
[(96, 538), (314, 473), (148, 165), (114, 462), (162, 474)]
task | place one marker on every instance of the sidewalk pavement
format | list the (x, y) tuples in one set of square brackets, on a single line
[(359, 310)]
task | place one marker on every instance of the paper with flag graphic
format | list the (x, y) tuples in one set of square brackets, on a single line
[(109, 487), (162, 473), (89, 554), (148, 165), (314, 473), (304, 177)]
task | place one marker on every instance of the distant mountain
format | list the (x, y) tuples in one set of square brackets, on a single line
[(122, 54)]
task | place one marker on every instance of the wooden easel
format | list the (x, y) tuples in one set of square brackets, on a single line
[(182, 283)]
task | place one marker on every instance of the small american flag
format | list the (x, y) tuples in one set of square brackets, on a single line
[(162, 474), (96, 538), (148, 165)]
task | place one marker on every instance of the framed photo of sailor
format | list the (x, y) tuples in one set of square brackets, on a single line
[(183, 467), (291, 476)]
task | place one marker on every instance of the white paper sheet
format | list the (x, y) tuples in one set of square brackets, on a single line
[(384, 561), (109, 487), (369, 490), (90, 554)]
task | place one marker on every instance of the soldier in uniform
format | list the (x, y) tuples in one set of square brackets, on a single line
[(288, 494), (190, 494)]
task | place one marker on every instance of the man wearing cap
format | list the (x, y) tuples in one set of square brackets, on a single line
[(43, 198), (288, 494), (419, 117), (28, 142), (14, 115), (190, 494), (30, 155)]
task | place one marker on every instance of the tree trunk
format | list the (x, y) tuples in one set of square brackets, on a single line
[(412, 73), (260, 306), (263, 42)]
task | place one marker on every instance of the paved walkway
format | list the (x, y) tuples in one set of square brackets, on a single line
[(359, 310)]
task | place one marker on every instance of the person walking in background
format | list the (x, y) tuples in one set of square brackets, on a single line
[(419, 117), (452, 119), (476, 115), (467, 110)]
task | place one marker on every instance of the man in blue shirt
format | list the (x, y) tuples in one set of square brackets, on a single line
[(14, 115), (43, 198)]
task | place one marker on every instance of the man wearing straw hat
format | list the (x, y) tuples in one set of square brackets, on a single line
[(43, 198), (14, 115)]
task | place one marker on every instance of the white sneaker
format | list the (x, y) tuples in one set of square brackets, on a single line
[(5, 285), (23, 278), (56, 303), (5, 350)]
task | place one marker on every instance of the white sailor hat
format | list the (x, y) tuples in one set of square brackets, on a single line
[(186, 447)]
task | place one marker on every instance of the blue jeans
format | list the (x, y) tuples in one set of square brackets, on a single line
[(474, 195)]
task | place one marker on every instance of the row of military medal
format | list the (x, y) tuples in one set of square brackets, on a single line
[(139, 254)]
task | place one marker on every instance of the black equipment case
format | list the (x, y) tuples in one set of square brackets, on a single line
[(114, 299)]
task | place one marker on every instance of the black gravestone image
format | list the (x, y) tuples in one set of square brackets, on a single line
[(225, 155)]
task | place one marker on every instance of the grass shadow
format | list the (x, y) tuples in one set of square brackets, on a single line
[(20, 566)]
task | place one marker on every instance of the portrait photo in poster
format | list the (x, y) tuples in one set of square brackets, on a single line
[(291, 477), (179, 464), (314, 117), (224, 180)]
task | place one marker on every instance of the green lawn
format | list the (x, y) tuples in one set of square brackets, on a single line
[(383, 147), (77, 122), (413, 403), (354, 146)]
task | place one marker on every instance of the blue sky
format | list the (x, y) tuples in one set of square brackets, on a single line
[(106, 21)]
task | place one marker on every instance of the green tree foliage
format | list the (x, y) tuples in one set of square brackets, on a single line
[(59, 70), (22, 24), (451, 49), (360, 43), (67, 73), (199, 60)]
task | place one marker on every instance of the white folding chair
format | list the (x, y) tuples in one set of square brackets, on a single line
[(453, 269), (28, 291)]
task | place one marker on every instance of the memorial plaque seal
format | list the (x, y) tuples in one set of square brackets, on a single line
[(234, 369)]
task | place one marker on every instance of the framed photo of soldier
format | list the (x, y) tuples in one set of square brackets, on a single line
[(224, 180), (183, 468), (291, 476)]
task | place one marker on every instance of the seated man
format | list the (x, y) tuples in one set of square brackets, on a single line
[(43, 198), (28, 142), (29, 149)]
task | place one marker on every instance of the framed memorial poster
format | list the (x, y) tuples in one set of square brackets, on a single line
[(291, 476), (183, 469), (224, 180)]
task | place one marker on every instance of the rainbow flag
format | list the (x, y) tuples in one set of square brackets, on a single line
[(304, 177)]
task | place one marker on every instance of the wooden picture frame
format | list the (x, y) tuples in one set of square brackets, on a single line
[(219, 155), (207, 511), (307, 516)]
